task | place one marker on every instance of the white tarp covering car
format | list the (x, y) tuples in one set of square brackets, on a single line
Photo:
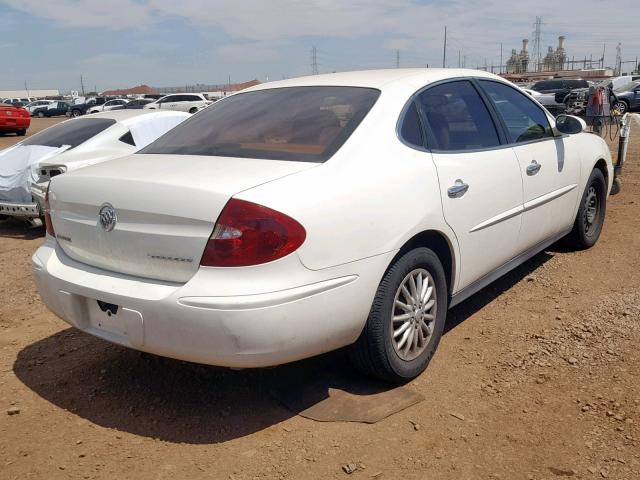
[(27, 168)]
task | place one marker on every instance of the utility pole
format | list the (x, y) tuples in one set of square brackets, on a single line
[(314, 60), (444, 52), (82, 85), (459, 59), (398, 58), (604, 49), (619, 59), (26, 88), (500, 57)]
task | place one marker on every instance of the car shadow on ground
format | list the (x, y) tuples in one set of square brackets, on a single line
[(20, 229), (183, 402)]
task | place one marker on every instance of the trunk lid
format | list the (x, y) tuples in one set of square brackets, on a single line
[(165, 206)]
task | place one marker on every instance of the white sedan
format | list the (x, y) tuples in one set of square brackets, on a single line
[(302, 216), (26, 168)]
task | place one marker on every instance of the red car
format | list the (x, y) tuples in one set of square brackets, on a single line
[(14, 119)]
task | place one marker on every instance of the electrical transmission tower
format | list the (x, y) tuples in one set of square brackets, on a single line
[(314, 60), (537, 43)]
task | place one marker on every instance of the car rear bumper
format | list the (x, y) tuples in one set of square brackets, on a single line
[(14, 123), (27, 210), (325, 311)]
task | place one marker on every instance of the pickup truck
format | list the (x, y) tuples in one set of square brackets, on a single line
[(78, 109)]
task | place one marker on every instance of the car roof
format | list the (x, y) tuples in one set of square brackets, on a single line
[(131, 116), (379, 79)]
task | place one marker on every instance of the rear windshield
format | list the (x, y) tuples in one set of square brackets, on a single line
[(73, 132), (296, 123)]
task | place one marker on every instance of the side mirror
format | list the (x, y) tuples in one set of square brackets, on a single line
[(570, 125)]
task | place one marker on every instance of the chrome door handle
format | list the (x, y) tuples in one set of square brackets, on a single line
[(458, 189), (533, 168)]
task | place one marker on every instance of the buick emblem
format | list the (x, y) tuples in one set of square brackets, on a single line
[(107, 217)]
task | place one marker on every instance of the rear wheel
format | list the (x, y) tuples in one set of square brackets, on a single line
[(76, 113), (193, 110), (406, 319), (588, 224), (22, 132), (40, 114)]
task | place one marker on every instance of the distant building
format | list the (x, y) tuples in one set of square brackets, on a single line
[(29, 93), (555, 59), (519, 62)]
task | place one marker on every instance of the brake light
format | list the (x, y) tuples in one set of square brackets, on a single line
[(250, 234), (47, 215)]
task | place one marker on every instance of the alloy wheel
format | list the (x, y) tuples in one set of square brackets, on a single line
[(413, 314)]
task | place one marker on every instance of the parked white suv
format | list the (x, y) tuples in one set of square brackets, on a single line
[(110, 105), (185, 102)]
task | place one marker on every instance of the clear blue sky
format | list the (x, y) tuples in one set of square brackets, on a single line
[(121, 43)]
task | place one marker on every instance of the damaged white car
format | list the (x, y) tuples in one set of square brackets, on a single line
[(27, 168)]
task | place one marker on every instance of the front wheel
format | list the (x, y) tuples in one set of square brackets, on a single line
[(40, 114), (406, 319), (75, 113), (590, 219), (621, 106), (22, 132)]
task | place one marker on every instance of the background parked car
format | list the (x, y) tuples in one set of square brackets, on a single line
[(185, 102), (14, 119), (20, 102), (548, 100), (70, 145), (114, 104), (53, 109), (78, 109), (627, 97), (560, 87), (36, 104), (136, 104)]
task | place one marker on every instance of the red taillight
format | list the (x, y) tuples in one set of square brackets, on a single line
[(249, 234), (47, 216)]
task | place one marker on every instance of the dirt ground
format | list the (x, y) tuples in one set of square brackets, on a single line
[(537, 377)]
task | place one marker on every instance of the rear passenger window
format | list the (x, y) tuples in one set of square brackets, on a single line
[(457, 118), (524, 119), (411, 130)]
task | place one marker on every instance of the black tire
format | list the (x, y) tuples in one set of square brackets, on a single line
[(76, 113), (22, 132), (621, 106), (588, 223), (40, 114), (193, 110), (374, 353)]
